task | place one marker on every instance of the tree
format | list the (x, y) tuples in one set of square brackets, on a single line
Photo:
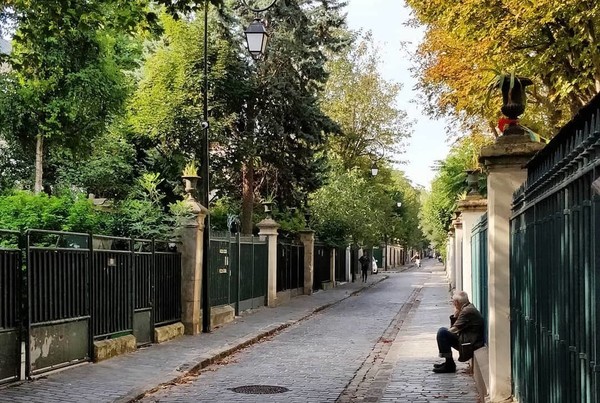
[(66, 80), (285, 126), (352, 207), (364, 105), (267, 127), (553, 42), (448, 186)]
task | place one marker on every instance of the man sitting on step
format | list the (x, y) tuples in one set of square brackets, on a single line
[(465, 334)]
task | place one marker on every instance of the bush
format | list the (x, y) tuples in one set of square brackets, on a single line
[(22, 210)]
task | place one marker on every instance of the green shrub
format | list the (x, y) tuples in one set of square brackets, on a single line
[(22, 210)]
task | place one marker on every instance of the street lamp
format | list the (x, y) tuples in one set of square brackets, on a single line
[(374, 169), (256, 33), (256, 38)]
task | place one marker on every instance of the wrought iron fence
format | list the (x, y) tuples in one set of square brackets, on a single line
[(322, 267), (79, 287), (555, 268), (112, 288), (167, 283), (479, 262), (340, 264), (238, 271), (290, 264), (10, 306)]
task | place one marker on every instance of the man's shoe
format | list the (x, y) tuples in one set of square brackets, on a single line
[(439, 365), (445, 368)]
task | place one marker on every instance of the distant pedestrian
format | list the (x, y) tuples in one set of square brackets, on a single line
[(365, 262), (465, 334)]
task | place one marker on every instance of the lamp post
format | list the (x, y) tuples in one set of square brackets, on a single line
[(256, 39), (374, 169)]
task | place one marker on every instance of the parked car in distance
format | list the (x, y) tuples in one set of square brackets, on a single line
[(374, 270)]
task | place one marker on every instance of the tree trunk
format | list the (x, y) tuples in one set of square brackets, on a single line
[(247, 196), (39, 164)]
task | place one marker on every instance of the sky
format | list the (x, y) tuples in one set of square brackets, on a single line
[(386, 19)]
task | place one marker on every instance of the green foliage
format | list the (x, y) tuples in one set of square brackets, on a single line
[(291, 221), (554, 42), (190, 169), (108, 172), (22, 210), (140, 218), (449, 183), (67, 74), (363, 103), (355, 208)]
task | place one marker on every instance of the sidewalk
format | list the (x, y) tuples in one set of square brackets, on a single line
[(414, 350), (127, 377)]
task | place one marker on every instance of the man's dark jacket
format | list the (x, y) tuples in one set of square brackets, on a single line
[(469, 329)]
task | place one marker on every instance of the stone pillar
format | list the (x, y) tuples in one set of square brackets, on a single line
[(504, 162), (307, 237), (332, 254), (458, 258), (348, 263), (471, 209), (191, 267), (268, 228), (450, 262)]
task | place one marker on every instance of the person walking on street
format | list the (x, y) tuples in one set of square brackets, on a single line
[(465, 334), (417, 260), (365, 263)]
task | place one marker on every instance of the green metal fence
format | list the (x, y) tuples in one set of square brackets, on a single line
[(237, 271), (555, 269), (479, 264)]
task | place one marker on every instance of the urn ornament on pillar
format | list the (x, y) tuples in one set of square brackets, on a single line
[(190, 178), (473, 182), (514, 97), (307, 215), (268, 206), (514, 100)]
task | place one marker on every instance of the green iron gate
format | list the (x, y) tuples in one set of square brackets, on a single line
[(219, 275), (290, 264), (322, 265), (479, 262), (340, 264), (253, 269), (58, 304), (377, 253), (10, 306), (555, 269), (238, 271)]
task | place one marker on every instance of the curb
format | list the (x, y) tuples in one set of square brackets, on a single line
[(240, 344)]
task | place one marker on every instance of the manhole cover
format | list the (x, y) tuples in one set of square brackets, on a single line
[(259, 389)]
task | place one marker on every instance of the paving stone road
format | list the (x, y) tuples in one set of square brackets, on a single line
[(377, 345)]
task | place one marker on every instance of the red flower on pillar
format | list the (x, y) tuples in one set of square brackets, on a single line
[(503, 122)]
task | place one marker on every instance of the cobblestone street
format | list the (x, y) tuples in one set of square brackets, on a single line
[(376, 346), (347, 344)]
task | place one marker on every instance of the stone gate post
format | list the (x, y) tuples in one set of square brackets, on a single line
[(458, 256), (504, 162), (307, 237), (192, 235), (450, 261), (332, 258), (268, 228)]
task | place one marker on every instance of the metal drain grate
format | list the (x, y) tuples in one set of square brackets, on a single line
[(259, 389)]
